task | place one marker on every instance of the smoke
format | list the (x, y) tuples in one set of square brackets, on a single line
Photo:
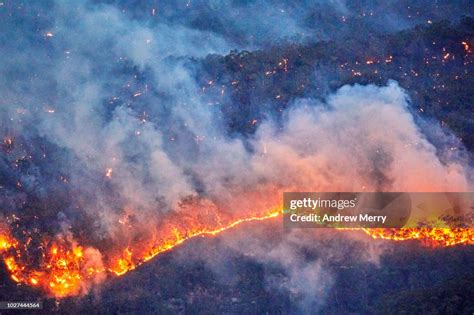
[(362, 133), (103, 122), (166, 147), (306, 278), (299, 268)]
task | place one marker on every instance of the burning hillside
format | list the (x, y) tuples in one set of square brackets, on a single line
[(66, 268), (102, 226), (128, 130)]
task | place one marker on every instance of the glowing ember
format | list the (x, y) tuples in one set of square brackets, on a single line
[(466, 46), (108, 172)]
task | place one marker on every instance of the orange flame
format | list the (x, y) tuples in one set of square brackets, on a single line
[(64, 269), (430, 236), (60, 272)]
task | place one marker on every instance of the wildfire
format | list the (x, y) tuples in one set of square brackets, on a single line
[(64, 268), (60, 272), (430, 236)]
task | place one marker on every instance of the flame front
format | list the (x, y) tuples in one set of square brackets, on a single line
[(64, 270), (60, 271), (430, 236)]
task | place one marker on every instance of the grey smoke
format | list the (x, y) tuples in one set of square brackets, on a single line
[(166, 143)]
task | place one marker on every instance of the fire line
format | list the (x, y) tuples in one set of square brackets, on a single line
[(65, 271)]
